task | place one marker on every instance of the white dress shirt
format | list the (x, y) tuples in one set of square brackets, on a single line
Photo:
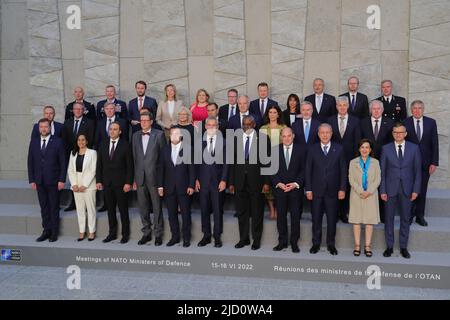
[(171, 107), (113, 118), (403, 147), (388, 98), (52, 128), (327, 145), (420, 125), (208, 142), (111, 144), (319, 102), (345, 121), (145, 139), (244, 139), (380, 120), (175, 152), (47, 138), (242, 115)]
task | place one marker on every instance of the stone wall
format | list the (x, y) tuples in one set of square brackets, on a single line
[(216, 45)]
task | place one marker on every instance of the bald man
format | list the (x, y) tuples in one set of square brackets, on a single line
[(89, 109)]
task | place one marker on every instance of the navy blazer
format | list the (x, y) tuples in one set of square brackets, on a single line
[(255, 106), (123, 109), (133, 111), (351, 138), (50, 167), (384, 133), (393, 172), (295, 172), (59, 128), (326, 175), (101, 134), (327, 110), (361, 110), (211, 174), (175, 179), (299, 132), (429, 144), (235, 121)]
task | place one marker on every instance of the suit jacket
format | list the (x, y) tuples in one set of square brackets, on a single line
[(211, 174), (133, 111), (87, 177), (287, 117), (361, 110), (146, 166), (299, 132), (326, 175), (395, 109), (384, 133), (224, 111), (429, 144), (118, 171), (59, 128), (235, 121), (163, 117), (255, 106), (222, 127), (49, 167), (175, 179), (351, 138), (89, 111), (295, 172), (123, 113), (327, 110), (86, 126), (101, 134), (408, 173)]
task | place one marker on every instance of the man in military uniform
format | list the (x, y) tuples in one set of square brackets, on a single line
[(89, 109), (394, 106)]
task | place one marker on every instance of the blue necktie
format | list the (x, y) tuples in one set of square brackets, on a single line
[(307, 131), (325, 150), (75, 129), (247, 148), (353, 102)]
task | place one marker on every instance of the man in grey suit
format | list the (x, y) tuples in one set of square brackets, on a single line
[(401, 177), (147, 146)]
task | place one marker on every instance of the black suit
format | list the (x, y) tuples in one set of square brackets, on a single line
[(287, 117), (86, 127), (255, 106), (89, 111), (361, 109), (292, 200), (327, 110), (325, 176), (176, 179), (113, 174), (395, 109), (102, 135), (224, 111), (222, 127), (235, 121), (384, 133), (429, 149)]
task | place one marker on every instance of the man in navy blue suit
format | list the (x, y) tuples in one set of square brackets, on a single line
[(176, 179), (120, 106), (288, 186), (359, 103), (235, 121), (306, 128), (325, 184), (47, 168), (141, 102), (423, 132), (260, 105), (324, 104), (401, 178), (211, 182), (56, 128), (228, 110)]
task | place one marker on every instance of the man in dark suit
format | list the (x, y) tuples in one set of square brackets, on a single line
[(422, 131), (213, 112), (325, 184), (47, 168), (260, 105), (306, 128), (324, 104), (248, 184), (211, 182), (115, 176), (347, 133), (288, 189), (394, 106), (228, 110), (359, 103), (235, 121), (103, 125), (176, 179), (120, 106), (141, 102), (56, 128), (401, 178), (89, 109)]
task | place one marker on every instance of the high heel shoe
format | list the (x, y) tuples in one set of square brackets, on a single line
[(368, 253), (91, 239), (356, 252)]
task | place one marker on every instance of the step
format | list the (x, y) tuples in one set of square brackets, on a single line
[(26, 220), (423, 270)]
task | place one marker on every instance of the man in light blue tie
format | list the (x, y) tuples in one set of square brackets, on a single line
[(306, 128)]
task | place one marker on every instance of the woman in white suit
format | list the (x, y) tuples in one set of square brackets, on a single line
[(81, 172), (168, 109)]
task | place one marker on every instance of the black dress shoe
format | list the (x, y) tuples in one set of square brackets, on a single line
[(256, 245), (144, 240), (102, 209), (186, 244), (91, 239), (158, 241), (242, 244), (279, 247), (109, 239), (218, 243), (314, 249), (295, 248), (332, 250), (44, 236), (388, 252), (80, 239), (53, 239), (172, 242), (405, 254), (344, 218), (421, 222), (124, 240), (204, 241)]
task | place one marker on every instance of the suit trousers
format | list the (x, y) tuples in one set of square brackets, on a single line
[(211, 200), (114, 196), (420, 202), (48, 196), (85, 204), (250, 205), (404, 205), (174, 201), (318, 206), (147, 196), (288, 202)]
